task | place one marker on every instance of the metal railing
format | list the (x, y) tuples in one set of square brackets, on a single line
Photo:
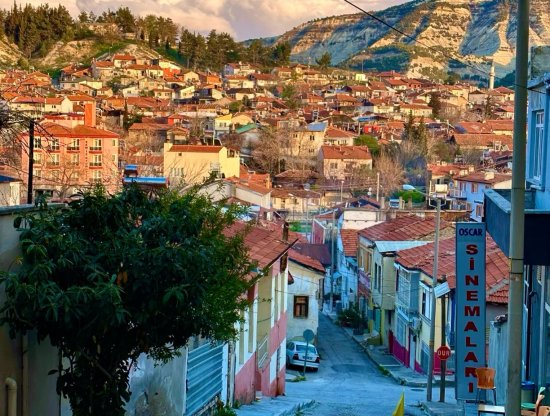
[(262, 351)]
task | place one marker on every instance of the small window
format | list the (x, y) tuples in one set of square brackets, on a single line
[(301, 306)]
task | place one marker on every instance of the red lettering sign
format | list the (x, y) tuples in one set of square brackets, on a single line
[(472, 295), (472, 310)]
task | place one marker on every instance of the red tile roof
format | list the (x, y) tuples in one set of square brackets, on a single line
[(350, 241), (496, 269), (483, 140), (185, 148), (338, 133), (79, 131), (306, 261), (346, 152), (264, 245), (409, 227)]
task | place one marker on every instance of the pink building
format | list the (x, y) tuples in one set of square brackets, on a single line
[(260, 350), (72, 153)]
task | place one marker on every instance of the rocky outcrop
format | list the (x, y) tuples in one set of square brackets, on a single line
[(453, 35)]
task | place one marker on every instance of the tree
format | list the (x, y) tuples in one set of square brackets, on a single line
[(391, 173), (435, 104), (290, 96), (324, 61), (111, 277), (281, 53), (370, 141)]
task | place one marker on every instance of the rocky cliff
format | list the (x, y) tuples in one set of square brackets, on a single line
[(452, 35)]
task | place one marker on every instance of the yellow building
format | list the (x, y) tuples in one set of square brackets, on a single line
[(192, 164)]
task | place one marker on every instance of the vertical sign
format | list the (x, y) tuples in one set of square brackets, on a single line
[(470, 306)]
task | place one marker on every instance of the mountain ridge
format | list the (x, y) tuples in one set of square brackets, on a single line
[(450, 36)]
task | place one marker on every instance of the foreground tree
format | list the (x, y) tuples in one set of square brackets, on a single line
[(112, 277)]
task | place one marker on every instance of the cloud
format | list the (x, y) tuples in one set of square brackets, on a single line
[(243, 19)]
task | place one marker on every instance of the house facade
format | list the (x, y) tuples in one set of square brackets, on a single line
[(192, 164)]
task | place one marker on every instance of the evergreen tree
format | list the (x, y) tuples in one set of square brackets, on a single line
[(324, 61), (435, 104)]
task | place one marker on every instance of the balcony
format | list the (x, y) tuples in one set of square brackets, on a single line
[(95, 164), (536, 230)]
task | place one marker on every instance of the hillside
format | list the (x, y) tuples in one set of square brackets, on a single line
[(474, 32)]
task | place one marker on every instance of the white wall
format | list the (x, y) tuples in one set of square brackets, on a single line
[(306, 283)]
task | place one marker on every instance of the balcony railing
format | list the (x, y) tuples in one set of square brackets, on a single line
[(95, 148), (95, 164), (262, 351)]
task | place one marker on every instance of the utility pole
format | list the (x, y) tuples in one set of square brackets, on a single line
[(377, 186), (434, 300), (31, 162), (517, 215), (332, 244)]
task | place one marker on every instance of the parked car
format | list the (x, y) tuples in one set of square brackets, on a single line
[(296, 354)]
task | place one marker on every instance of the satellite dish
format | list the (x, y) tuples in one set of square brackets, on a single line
[(307, 186)]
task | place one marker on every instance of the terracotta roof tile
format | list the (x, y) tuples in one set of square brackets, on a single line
[(496, 269), (409, 227), (346, 152), (306, 260), (350, 241)]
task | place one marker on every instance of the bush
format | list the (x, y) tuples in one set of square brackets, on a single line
[(352, 317)]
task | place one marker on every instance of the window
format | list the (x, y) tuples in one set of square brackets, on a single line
[(75, 159), (537, 146), (74, 145), (96, 175), (75, 176), (54, 144), (334, 165), (96, 160), (96, 144), (311, 138), (114, 157), (54, 159), (37, 143), (474, 188), (301, 306), (37, 158), (426, 307), (479, 210)]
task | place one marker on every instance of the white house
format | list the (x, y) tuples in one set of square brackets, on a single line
[(469, 191), (304, 294)]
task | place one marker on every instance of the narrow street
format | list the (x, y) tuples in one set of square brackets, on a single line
[(348, 383)]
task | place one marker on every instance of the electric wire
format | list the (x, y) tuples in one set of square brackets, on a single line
[(436, 51)]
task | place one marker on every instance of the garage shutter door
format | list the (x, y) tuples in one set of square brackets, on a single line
[(204, 377)]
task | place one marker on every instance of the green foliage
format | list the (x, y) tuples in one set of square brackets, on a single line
[(111, 277), (35, 29), (416, 196), (324, 60), (290, 96), (351, 316), (370, 141), (435, 104)]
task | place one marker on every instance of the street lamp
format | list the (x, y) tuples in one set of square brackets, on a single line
[(407, 187)]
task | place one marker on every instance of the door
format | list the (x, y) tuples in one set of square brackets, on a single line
[(412, 351)]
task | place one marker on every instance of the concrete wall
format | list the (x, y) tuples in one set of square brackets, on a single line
[(158, 389), (498, 357)]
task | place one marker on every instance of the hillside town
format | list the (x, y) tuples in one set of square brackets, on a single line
[(354, 192)]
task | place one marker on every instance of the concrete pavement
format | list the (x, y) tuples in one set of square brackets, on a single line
[(292, 404)]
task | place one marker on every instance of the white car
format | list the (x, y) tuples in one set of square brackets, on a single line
[(296, 354)]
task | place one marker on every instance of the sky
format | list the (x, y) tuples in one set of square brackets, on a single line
[(243, 19)]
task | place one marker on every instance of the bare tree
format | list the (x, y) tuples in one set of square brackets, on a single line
[(391, 173)]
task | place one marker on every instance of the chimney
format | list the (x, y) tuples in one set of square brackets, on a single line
[(89, 114), (285, 232)]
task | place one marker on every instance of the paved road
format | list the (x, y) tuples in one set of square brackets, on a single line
[(348, 383)]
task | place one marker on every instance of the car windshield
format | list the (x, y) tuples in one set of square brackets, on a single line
[(310, 349)]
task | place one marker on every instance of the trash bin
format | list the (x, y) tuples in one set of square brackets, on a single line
[(527, 392)]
